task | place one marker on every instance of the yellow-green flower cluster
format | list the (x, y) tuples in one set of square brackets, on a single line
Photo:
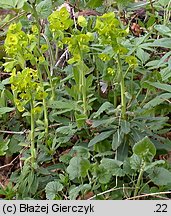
[(108, 29), (26, 86), (78, 44), (132, 61), (111, 71), (104, 57), (60, 20), (19, 46), (82, 21)]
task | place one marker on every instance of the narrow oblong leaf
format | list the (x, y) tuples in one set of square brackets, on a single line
[(157, 100), (125, 126), (162, 86), (103, 108), (163, 29), (4, 110), (100, 137), (117, 139)]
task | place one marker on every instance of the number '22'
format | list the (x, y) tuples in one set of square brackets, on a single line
[(161, 208)]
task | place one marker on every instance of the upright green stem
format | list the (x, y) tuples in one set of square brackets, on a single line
[(152, 7), (122, 84), (84, 91), (45, 118), (33, 150), (52, 62), (137, 186), (51, 82), (37, 22), (44, 105), (39, 72)]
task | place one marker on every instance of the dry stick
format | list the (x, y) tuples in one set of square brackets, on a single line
[(152, 7), (160, 197), (11, 20), (14, 132), (5, 73), (60, 59), (110, 190), (146, 195), (10, 164)]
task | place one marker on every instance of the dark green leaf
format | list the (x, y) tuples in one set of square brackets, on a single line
[(78, 167), (100, 137), (74, 192), (44, 8), (105, 106), (52, 189), (125, 127), (160, 176), (162, 86), (94, 4), (145, 149), (3, 147)]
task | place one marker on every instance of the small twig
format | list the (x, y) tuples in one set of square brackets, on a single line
[(60, 59), (146, 195), (168, 101), (152, 7), (2, 185), (11, 20), (110, 190), (73, 13), (54, 125), (14, 132), (161, 197), (3, 73), (10, 164)]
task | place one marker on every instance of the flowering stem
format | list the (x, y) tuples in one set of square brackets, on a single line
[(83, 87), (37, 22), (44, 105), (51, 82)]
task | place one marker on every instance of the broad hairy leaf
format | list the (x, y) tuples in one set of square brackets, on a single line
[(52, 188), (142, 55), (7, 4), (82, 151), (78, 167), (135, 162), (113, 166), (74, 192), (160, 176), (102, 174), (44, 8), (145, 149)]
